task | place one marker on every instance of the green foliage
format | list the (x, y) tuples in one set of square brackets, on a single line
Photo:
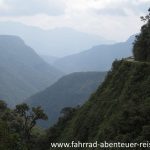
[(16, 127), (118, 111), (54, 132), (71, 90), (141, 49), (3, 106)]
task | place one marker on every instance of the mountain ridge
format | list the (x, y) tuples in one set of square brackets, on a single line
[(53, 42), (70, 90), (117, 111), (26, 71), (98, 58)]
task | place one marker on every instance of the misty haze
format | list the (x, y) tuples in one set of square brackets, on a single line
[(74, 71)]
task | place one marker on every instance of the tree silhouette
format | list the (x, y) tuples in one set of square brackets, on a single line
[(27, 119), (141, 48)]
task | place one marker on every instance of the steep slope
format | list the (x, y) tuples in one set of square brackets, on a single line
[(49, 59), (69, 91), (55, 42), (23, 72), (118, 112), (98, 58)]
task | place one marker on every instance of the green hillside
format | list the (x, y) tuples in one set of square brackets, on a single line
[(118, 111), (120, 108), (23, 72), (69, 91)]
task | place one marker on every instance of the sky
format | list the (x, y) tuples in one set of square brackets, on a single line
[(112, 19)]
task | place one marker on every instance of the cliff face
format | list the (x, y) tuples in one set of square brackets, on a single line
[(118, 111)]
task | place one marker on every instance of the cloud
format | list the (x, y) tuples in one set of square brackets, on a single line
[(111, 11), (111, 19), (3, 6), (31, 7), (121, 7)]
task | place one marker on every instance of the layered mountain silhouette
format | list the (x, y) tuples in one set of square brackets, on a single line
[(49, 59), (69, 91), (98, 58), (54, 42), (23, 72)]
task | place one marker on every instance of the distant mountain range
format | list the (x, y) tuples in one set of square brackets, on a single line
[(23, 72), (98, 58), (69, 91), (56, 42)]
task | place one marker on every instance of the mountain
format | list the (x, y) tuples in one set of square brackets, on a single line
[(98, 58), (117, 112), (49, 59), (56, 42), (69, 91), (23, 72)]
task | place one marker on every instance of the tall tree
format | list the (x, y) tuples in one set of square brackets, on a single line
[(28, 118), (141, 48)]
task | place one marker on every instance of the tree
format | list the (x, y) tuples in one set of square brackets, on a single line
[(3, 106), (141, 48), (27, 119)]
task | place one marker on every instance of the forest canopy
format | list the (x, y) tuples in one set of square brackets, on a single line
[(141, 48)]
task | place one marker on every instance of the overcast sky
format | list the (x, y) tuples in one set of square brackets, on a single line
[(111, 19)]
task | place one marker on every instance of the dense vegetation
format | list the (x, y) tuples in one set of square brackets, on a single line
[(69, 91), (118, 111), (141, 48), (18, 129)]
